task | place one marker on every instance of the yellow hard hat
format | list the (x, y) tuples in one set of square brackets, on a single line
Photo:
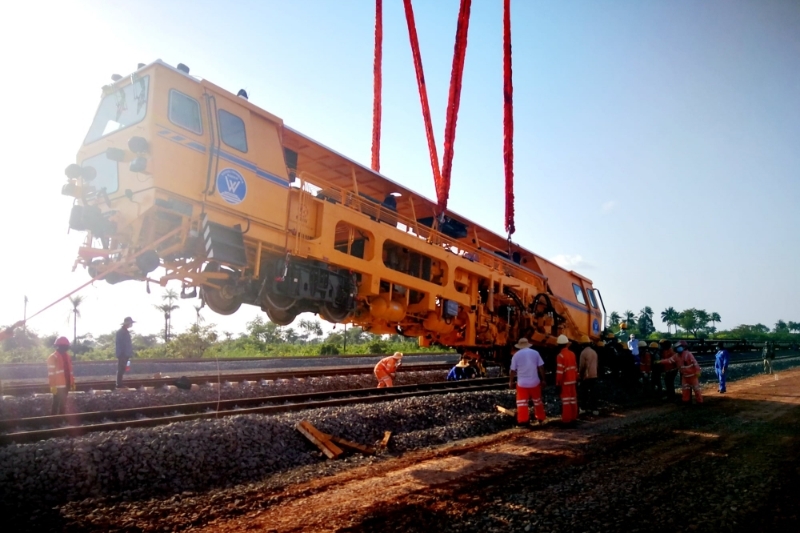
[(654, 344), (623, 325), (584, 339), (601, 343), (562, 339)]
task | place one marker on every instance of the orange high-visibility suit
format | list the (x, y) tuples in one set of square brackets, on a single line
[(385, 371), (59, 372), (566, 378), (690, 377)]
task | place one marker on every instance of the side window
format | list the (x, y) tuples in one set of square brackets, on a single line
[(231, 130), (579, 293), (592, 299), (184, 111)]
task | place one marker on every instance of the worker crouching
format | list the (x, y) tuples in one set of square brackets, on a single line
[(386, 370), (527, 367), (566, 379), (59, 371)]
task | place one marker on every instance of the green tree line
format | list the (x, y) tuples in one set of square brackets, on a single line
[(698, 323)]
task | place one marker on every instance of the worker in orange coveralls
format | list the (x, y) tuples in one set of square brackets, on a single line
[(59, 370), (386, 369), (566, 379), (690, 374)]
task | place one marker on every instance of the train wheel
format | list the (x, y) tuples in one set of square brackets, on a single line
[(280, 317), (222, 301), (332, 314), (278, 302)]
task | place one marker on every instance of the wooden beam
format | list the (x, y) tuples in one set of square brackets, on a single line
[(321, 440), (386, 436), (509, 412)]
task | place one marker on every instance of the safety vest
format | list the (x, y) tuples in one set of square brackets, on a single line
[(388, 365), (566, 369), (645, 359), (669, 362), (59, 370), (689, 367)]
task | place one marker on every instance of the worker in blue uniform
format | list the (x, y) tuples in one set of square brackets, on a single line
[(721, 365)]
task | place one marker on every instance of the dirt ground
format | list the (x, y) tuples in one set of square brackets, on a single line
[(729, 465)]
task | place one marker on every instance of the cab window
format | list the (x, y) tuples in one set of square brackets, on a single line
[(579, 293), (231, 130), (592, 299), (184, 111)]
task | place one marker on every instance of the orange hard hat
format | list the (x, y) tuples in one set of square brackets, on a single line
[(61, 341)]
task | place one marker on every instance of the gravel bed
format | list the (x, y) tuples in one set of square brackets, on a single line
[(204, 454), (209, 465), (40, 405)]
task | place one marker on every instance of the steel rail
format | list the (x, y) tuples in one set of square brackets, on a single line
[(160, 415), (273, 374)]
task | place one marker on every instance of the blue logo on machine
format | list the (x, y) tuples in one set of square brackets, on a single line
[(595, 326), (231, 186)]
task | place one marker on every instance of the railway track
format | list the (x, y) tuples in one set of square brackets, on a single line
[(288, 373), (46, 427)]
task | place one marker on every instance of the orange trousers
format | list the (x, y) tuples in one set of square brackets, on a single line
[(687, 386), (525, 394), (569, 403), (384, 378)]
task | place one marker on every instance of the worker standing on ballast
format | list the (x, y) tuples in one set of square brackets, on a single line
[(721, 360), (386, 370), (124, 348), (566, 379), (768, 353), (59, 372), (690, 374), (588, 374), (527, 367)]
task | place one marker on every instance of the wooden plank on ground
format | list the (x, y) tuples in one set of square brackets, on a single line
[(321, 440), (386, 436), (509, 412), (353, 445)]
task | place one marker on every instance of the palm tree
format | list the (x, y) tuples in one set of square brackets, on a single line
[(670, 316), (76, 302), (703, 318), (310, 327), (614, 319), (645, 322), (714, 319), (200, 318), (794, 326), (167, 308)]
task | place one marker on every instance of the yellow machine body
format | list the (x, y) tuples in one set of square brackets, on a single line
[(181, 177)]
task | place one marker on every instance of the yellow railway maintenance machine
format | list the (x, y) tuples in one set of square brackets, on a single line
[(181, 174)]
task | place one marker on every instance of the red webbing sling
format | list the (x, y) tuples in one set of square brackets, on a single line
[(377, 83), (453, 102), (508, 119), (441, 178)]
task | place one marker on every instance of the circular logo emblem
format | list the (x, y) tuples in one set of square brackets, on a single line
[(595, 326), (231, 185)]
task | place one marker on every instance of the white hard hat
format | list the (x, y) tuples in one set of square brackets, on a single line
[(562, 339)]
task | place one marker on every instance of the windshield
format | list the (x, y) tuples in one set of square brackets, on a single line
[(119, 109)]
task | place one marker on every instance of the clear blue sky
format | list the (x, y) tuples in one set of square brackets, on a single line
[(657, 143)]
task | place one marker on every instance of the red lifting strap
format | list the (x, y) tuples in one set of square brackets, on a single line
[(454, 100), (376, 100), (423, 96), (441, 178), (508, 118)]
